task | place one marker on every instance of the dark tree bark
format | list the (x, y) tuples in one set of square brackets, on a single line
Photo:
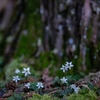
[(67, 25), (11, 29)]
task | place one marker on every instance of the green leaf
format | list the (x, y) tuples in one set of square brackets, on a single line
[(11, 98)]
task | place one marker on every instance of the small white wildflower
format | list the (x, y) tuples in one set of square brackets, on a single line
[(39, 85), (73, 86), (76, 89), (17, 71), (16, 78), (63, 68), (68, 65), (63, 80), (26, 71), (27, 85)]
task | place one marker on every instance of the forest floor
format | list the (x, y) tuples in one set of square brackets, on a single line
[(52, 87)]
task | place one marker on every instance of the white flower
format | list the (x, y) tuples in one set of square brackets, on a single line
[(63, 68), (16, 78), (68, 65), (76, 89), (63, 80), (27, 85), (73, 86), (26, 71), (17, 71), (39, 85)]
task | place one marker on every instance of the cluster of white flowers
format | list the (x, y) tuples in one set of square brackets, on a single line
[(66, 67), (39, 85), (76, 89), (26, 71)]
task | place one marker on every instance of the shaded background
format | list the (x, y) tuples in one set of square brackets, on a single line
[(47, 33)]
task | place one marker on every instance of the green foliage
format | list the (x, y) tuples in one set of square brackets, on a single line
[(1, 60), (15, 97), (0, 37), (11, 98), (73, 77), (44, 97), (98, 91), (45, 59), (1, 69), (56, 81), (33, 86), (32, 25), (91, 86), (10, 68), (60, 93), (83, 95), (17, 64)]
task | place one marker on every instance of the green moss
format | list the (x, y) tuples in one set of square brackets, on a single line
[(44, 97), (83, 95), (32, 25), (10, 68)]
